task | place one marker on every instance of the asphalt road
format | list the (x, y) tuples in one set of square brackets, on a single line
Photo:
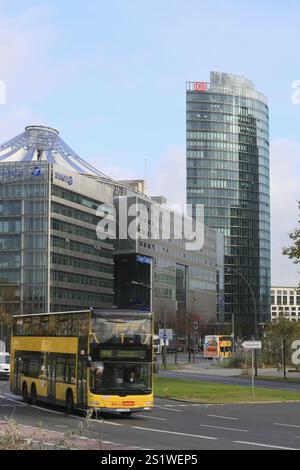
[(243, 381), (173, 425)]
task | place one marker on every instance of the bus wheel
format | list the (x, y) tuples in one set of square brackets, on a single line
[(126, 414), (69, 401), (25, 392), (33, 395)]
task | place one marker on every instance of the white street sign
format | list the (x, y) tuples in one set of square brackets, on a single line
[(168, 332), (251, 345)]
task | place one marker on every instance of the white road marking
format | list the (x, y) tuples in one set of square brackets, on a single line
[(46, 410), (221, 427), (152, 417), (170, 409), (107, 422), (11, 399), (287, 425), (21, 404), (222, 417), (257, 444), (176, 433)]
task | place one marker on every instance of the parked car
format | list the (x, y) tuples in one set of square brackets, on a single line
[(4, 365)]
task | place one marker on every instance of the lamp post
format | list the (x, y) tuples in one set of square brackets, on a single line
[(254, 306), (165, 319)]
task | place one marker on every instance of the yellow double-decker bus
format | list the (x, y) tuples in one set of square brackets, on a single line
[(86, 359)]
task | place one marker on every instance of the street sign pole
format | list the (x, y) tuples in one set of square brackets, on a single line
[(253, 346), (253, 372)]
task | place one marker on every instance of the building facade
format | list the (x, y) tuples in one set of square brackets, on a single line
[(227, 143), (161, 274), (50, 256), (285, 302)]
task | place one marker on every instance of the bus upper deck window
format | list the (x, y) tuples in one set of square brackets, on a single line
[(44, 327), (35, 326), (27, 326), (62, 329), (19, 327)]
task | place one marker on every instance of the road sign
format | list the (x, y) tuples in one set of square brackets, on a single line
[(165, 334), (251, 345)]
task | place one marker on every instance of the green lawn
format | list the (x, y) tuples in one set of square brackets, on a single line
[(206, 392)]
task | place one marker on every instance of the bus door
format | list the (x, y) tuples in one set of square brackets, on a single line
[(51, 395), (17, 373), (81, 382)]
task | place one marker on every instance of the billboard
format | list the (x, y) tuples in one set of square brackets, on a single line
[(211, 346)]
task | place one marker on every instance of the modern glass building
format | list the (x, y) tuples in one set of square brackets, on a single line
[(50, 256), (227, 139), (161, 274)]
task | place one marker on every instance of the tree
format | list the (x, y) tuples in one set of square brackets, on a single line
[(293, 251), (280, 336)]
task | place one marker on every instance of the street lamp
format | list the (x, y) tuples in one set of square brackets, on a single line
[(165, 319), (254, 306)]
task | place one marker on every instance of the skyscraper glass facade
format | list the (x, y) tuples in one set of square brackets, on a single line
[(228, 172)]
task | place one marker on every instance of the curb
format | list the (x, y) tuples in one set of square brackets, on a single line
[(273, 402)]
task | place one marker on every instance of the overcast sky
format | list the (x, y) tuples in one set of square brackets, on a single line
[(111, 77)]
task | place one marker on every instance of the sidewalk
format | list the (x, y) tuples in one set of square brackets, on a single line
[(30, 437), (209, 369)]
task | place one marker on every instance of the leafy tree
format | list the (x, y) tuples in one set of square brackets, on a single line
[(293, 251), (280, 336)]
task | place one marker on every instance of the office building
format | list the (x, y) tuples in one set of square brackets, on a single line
[(227, 131), (162, 274), (50, 256), (285, 302)]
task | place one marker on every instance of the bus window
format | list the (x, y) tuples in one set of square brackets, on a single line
[(35, 326), (74, 325), (52, 325), (27, 326), (62, 327), (44, 326), (18, 329), (83, 325), (70, 371), (60, 369)]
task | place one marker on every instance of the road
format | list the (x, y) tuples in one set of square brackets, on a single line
[(173, 425)]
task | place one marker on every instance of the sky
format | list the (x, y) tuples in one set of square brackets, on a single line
[(110, 76)]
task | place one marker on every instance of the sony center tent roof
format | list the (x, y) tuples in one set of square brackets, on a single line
[(43, 144)]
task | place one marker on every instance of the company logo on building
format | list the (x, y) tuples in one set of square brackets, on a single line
[(143, 259), (200, 86), (67, 179), (36, 171), (8, 173)]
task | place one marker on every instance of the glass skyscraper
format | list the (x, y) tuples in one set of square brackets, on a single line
[(227, 131)]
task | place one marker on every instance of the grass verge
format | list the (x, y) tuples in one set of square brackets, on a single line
[(206, 392)]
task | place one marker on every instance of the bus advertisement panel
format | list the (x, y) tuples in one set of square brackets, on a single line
[(218, 346), (211, 346)]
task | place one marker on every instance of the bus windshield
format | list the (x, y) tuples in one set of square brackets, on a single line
[(115, 377), (130, 331)]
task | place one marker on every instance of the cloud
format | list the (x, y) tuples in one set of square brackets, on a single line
[(285, 192), (168, 177)]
